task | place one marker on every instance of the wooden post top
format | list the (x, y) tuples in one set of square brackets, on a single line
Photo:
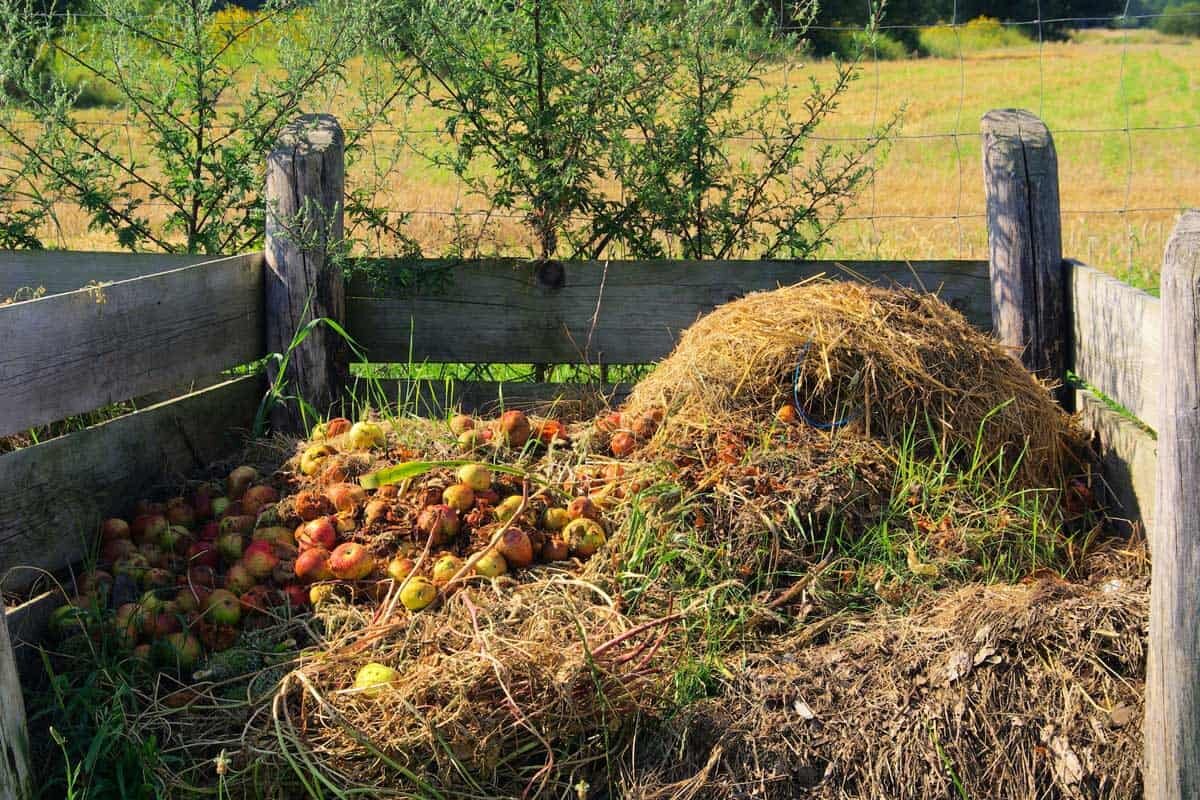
[(1182, 247), (310, 134), (1017, 123)]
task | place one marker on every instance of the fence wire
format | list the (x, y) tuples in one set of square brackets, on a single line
[(1122, 184)]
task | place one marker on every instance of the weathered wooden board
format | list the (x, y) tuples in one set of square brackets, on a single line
[(79, 351), (306, 191), (28, 628), (594, 312), (430, 398), (1117, 340), (15, 771), (53, 495), (1020, 176), (1128, 456), (1172, 722), (65, 271)]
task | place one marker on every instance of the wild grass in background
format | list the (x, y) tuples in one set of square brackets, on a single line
[(1123, 105)]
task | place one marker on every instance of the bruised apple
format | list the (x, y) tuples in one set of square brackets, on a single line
[(317, 533), (513, 429), (313, 565), (439, 523), (351, 562), (516, 548), (239, 481), (257, 498), (260, 559)]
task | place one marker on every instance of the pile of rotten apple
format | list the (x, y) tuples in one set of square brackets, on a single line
[(185, 577)]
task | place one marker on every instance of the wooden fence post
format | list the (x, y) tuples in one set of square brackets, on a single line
[(14, 738), (1020, 174), (1172, 725), (306, 178)]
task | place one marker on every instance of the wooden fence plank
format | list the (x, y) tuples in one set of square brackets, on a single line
[(1117, 345), (79, 351), (60, 271), (1172, 722), (432, 398), (28, 627), (1128, 457), (53, 495), (15, 772), (504, 311)]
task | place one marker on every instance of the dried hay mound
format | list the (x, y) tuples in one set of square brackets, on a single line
[(887, 360), (1002, 692)]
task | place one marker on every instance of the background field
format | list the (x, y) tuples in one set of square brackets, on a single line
[(1123, 106)]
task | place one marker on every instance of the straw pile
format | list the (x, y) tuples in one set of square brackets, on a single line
[(886, 360)]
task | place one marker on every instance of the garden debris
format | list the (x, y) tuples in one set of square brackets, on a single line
[(1034, 719), (698, 593)]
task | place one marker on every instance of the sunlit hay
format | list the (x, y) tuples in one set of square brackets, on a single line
[(525, 688), (1003, 692), (888, 362)]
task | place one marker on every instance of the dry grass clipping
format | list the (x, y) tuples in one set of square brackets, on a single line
[(524, 689), (887, 359)]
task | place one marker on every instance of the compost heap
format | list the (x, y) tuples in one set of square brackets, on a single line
[(797, 530)]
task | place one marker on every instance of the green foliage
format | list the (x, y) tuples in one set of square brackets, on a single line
[(607, 125), (1181, 19), (208, 91), (24, 207), (847, 43), (90, 704), (89, 89), (983, 33)]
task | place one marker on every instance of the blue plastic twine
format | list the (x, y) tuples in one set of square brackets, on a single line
[(804, 415)]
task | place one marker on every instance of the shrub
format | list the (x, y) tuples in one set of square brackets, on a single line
[(207, 90), (983, 33), (565, 99), (850, 42), (1180, 20)]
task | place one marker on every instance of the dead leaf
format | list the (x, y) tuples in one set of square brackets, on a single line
[(1121, 716), (985, 653), (1066, 764), (960, 665), (919, 569)]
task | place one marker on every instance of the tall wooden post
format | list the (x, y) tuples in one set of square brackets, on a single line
[(1029, 298), (306, 179), (1172, 725), (14, 738)]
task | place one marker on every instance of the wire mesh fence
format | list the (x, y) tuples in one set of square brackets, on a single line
[(1117, 98)]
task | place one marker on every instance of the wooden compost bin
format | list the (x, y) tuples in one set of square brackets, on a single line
[(168, 329)]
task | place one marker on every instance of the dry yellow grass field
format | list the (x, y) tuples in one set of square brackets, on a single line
[(1126, 113)]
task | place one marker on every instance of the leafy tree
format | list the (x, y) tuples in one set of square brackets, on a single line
[(612, 124), (208, 91), (684, 172), (1181, 19)]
